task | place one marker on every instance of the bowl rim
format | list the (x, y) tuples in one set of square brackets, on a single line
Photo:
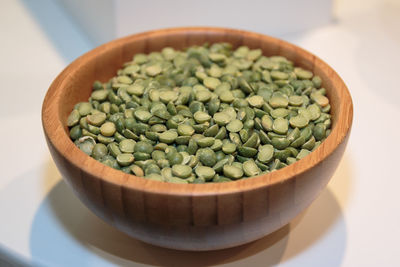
[(56, 135)]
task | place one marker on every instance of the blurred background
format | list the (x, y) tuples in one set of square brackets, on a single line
[(115, 18), (355, 220)]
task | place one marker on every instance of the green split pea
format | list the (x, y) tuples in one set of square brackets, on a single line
[(210, 113)]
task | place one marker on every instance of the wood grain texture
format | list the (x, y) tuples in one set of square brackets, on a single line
[(191, 217)]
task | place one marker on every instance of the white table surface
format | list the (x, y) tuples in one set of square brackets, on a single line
[(354, 222)]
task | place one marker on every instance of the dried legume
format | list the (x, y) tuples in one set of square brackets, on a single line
[(206, 114)]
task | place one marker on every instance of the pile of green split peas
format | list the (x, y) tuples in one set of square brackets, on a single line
[(206, 114)]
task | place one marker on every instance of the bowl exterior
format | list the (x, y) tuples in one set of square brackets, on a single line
[(190, 217), (177, 222)]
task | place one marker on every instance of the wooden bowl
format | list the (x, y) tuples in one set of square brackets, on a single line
[(193, 216)]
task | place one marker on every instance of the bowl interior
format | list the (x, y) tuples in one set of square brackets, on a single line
[(75, 82)]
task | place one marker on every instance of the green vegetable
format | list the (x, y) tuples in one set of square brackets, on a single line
[(206, 114)]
